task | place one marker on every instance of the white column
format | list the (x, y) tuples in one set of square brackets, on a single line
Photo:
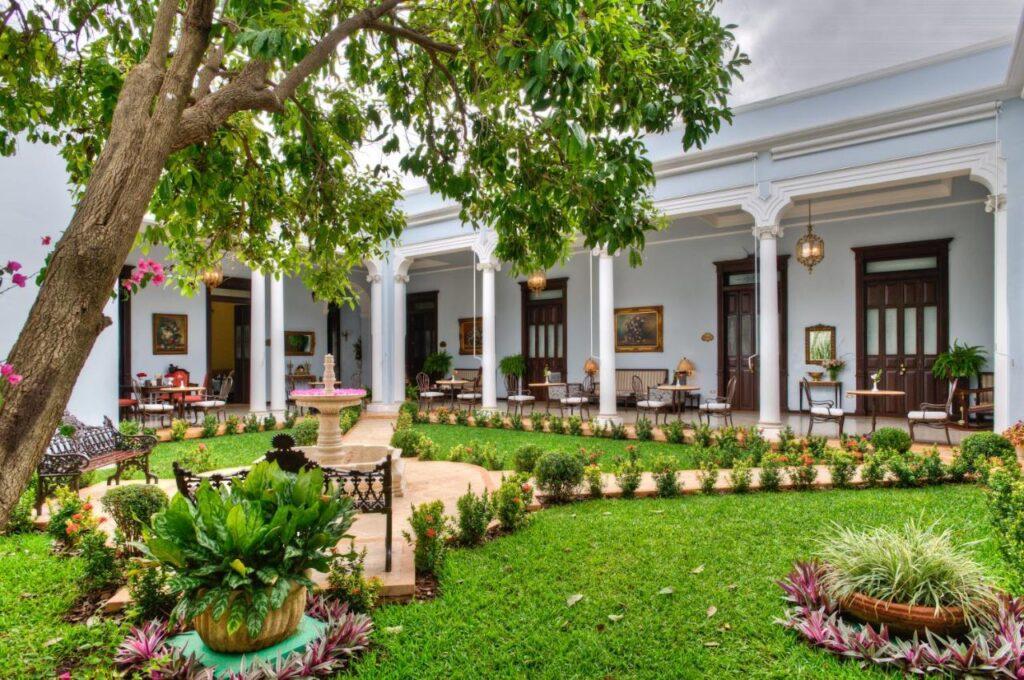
[(608, 412), (258, 344), (278, 402), (398, 353), (768, 359), (489, 365), (996, 204), (376, 336)]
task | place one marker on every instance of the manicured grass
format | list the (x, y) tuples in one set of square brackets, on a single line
[(36, 589), (507, 441), (503, 614), (225, 451)]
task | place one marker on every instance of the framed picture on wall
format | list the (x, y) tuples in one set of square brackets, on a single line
[(819, 344), (299, 343), (639, 329), (170, 333), (471, 331)]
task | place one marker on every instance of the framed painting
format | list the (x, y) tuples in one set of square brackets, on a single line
[(299, 343), (819, 344), (170, 333), (471, 331), (639, 329)]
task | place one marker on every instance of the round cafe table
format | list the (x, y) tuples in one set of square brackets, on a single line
[(176, 393), (871, 398), (544, 386), (678, 405), (454, 386)]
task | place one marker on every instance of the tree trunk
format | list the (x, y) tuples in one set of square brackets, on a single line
[(67, 315)]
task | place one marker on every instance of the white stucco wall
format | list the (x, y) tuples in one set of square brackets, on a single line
[(34, 202)]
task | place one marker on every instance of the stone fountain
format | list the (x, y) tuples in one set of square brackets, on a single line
[(328, 402)]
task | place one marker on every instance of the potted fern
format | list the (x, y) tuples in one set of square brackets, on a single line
[(514, 364), (239, 556), (960, 361), (438, 364)]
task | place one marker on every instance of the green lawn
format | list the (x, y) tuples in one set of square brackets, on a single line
[(507, 441), (36, 589), (503, 613), (226, 451)]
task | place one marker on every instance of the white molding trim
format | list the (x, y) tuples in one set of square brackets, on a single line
[(439, 246), (681, 164)]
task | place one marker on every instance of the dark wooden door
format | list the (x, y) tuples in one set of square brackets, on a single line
[(124, 338), (240, 389), (902, 321), (420, 330), (544, 329), (737, 331)]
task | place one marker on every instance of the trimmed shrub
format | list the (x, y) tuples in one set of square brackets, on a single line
[(179, 428), (429, 536), (129, 428), (932, 471), (306, 431), (289, 419), (979, 448), (556, 425), (101, 570), (462, 418), (484, 454), (64, 514), (707, 475), (644, 430), (803, 474), (770, 478), (496, 421), (428, 449), (475, 513), (890, 439), (525, 458), (409, 408), (740, 476), (151, 598), (905, 468), (251, 423), (231, 425), (558, 475), (210, 426), (270, 423), (702, 435), (196, 459), (403, 422), (629, 473), (618, 431), (511, 501), (575, 425), (842, 467), (674, 432), (348, 418), (408, 441), (595, 480), (348, 582), (666, 476), (873, 470), (131, 506), (516, 421)]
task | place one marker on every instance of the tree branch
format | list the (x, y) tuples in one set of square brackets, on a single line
[(420, 39)]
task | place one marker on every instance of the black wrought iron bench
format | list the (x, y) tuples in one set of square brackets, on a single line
[(370, 491), (84, 448)]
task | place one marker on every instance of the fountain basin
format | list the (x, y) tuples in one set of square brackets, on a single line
[(328, 403)]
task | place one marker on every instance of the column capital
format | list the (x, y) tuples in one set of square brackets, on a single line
[(489, 266), (373, 278), (773, 231), (601, 251), (995, 203), (401, 278)]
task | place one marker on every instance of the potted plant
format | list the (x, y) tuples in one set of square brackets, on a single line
[(438, 364), (960, 361), (834, 367), (514, 364), (910, 579), (238, 557)]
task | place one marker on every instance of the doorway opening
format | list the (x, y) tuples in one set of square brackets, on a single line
[(421, 331), (227, 337), (545, 329)]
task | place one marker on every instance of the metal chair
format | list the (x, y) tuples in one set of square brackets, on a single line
[(426, 394), (822, 410), (720, 407), (218, 403), (470, 396), (150, 405), (575, 399), (518, 397), (651, 400), (937, 416)]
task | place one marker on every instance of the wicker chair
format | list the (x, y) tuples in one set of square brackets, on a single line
[(518, 397), (822, 410), (426, 394), (650, 400), (937, 416), (720, 407)]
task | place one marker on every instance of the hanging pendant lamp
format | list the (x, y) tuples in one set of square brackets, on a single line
[(214, 276), (537, 281), (810, 249)]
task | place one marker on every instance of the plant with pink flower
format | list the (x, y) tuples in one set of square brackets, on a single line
[(7, 372), (146, 272)]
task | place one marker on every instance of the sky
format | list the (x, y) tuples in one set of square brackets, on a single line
[(799, 44)]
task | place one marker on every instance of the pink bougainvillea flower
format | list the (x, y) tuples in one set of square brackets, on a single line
[(156, 267), (13, 266), (137, 276), (14, 378), (143, 264), (158, 279), (19, 280), (46, 241), (6, 369)]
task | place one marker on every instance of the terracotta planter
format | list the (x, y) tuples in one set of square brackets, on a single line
[(905, 619), (279, 625)]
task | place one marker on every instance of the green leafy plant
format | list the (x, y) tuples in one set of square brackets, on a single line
[(129, 428), (514, 364), (475, 513), (516, 421), (703, 435), (240, 552), (575, 426), (666, 476), (644, 430), (403, 422), (770, 478), (196, 458), (411, 442), (891, 439), (496, 421), (132, 506), (438, 364), (443, 415), (429, 536), (179, 428), (270, 422), (842, 467), (210, 426), (462, 418), (959, 361), (707, 475), (594, 479), (556, 425), (348, 418), (803, 474), (754, 444), (19, 521), (740, 476), (306, 431), (1006, 512), (147, 584), (628, 473), (874, 469), (512, 501), (932, 469), (231, 424), (618, 431), (905, 468), (981, 447), (427, 449), (251, 423), (674, 432), (290, 416), (67, 511), (912, 565), (558, 475), (101, 569), (348, 583), (524, 460)]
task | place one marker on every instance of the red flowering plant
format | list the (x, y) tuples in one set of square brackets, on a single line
[(71, 518), (512, 501), (1015, 433), (429, 537)]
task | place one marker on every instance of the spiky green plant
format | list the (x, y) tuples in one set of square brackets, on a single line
[(914, 565)]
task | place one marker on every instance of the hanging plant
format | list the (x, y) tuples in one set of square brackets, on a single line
[(514, 364), (960, 361), (438, 364)]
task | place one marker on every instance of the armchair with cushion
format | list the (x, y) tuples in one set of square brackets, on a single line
[(427, 394), (518, 397), (822, 410), (720, 407), (937, 416), (650, 400)]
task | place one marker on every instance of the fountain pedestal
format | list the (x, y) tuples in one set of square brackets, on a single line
[(329, 403)]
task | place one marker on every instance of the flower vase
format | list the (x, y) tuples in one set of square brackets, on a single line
[(874, 385), (833, 374)]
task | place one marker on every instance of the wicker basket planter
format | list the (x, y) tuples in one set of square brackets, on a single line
[(905, 619), (279, 625)]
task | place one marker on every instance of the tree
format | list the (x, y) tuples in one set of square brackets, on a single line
[(245, 127)]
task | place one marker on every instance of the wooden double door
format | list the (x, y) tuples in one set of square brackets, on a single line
[(902, 320), (420, 331), (544, 329)]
